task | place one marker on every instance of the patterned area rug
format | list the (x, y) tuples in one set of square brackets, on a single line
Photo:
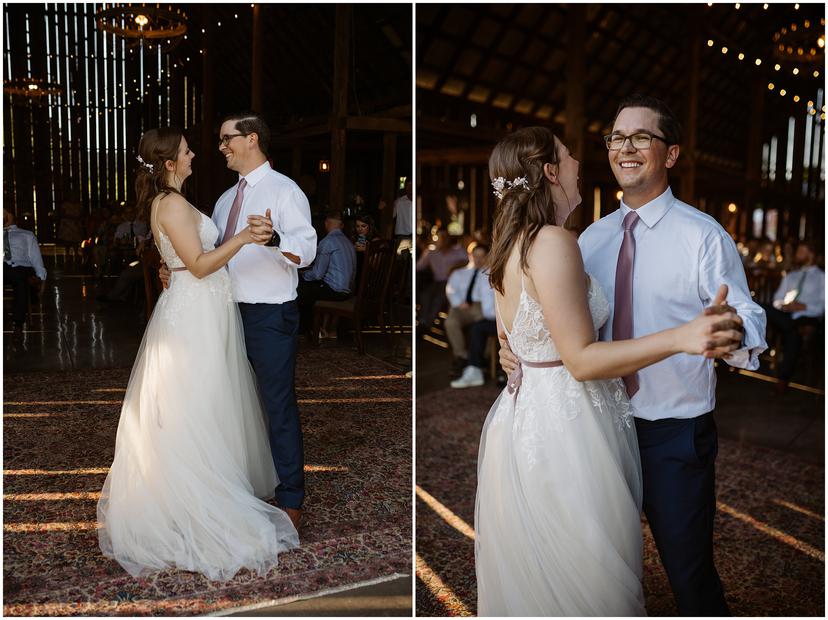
[(769, 536), (58, 441)]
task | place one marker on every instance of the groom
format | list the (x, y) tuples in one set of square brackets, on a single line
[(662, 261), (264, 279)]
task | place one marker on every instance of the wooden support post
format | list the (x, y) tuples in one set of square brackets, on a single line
[(389, 182), (256, 62), (207, 190), (688, 157), (575, 91), (342, 55), (753, 176)]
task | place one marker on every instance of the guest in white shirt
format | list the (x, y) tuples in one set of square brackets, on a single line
[(479, 334), (680, 257), (21, 261), (132, 230), (463, 291), (264, 281), (403, 214), (799, 301)]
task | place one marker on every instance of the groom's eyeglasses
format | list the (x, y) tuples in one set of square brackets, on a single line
[(225, 139), (641, 141)]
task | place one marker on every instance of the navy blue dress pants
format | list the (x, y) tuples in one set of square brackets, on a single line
[(271, 334), (678, 459)]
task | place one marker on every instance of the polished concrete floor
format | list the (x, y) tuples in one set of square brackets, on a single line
[(71, 329), (747, 407)]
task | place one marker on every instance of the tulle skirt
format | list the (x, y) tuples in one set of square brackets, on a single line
[(557, 516), (192, 456)]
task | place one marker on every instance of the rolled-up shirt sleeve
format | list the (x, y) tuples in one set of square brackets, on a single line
[(293, 223), (721, 264)]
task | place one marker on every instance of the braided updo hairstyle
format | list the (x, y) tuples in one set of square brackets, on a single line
[(527, 207), (156, 147)]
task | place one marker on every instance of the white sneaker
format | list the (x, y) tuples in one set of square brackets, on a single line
[(472, 377)]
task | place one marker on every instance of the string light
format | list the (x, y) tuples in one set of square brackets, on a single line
[(758, 61), (741, 56), (771, 86), (710, 43), (777, 67), (782, 92), (796, 71), (796, 98), (724, 50)]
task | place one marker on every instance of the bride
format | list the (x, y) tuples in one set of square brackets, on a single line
[(191, 455), (557, 521)]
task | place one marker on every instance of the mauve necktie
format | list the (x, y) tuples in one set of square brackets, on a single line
[(230, 229), (622, 320)]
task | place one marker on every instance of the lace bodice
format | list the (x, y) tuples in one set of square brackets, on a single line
[(530, 339), (207, 232)]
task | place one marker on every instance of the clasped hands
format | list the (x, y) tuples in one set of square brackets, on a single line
[(261, 231), (725, 336)]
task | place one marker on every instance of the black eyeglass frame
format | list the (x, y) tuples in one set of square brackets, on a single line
[(650, 135)]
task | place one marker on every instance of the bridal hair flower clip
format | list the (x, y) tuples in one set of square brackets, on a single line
[(141, 161), (500, 185)]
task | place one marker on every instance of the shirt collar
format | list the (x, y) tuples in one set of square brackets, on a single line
[(653, 211), (335, 231), (254, 176)]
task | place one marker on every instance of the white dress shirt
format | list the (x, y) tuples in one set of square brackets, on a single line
[(25, 252), (487, 297), (259, 274), (135, 228), (681, 257), (811, 291), (458, 285), (403, 214)]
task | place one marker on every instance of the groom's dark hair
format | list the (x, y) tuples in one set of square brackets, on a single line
[(667, 121), (250, 122)]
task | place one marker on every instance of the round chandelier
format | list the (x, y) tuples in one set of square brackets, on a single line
[(141, 21)]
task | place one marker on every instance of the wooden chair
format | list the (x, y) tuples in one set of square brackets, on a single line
[(151, 263), (369, 300), (399, 293)]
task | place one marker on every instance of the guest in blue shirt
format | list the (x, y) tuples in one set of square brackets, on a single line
[(331, 275)]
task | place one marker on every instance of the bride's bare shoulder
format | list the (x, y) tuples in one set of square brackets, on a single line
[(553, 242)]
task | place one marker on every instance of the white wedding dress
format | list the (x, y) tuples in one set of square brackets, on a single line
[(192, 455), (559, 488)]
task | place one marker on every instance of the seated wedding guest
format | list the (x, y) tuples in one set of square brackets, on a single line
[(441, 261), (365, 231), (21, 261), (132, 230), (473, 374), (331, 275), (464, 290), (131, 277), (799, 301)]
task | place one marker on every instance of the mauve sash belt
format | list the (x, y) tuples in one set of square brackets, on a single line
[(516, 378), (178, 269)]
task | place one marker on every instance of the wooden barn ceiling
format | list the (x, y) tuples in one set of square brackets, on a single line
[(298, 52), (506, 63)]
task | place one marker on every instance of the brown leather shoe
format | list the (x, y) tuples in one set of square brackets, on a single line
[(295, 515)]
